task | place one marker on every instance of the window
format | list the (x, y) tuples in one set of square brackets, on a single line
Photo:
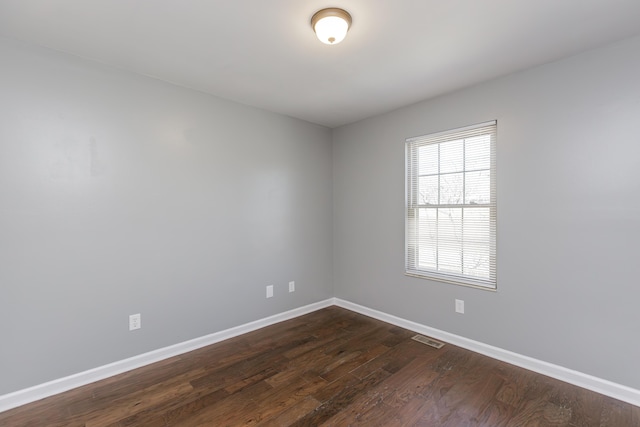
[(451, 208)]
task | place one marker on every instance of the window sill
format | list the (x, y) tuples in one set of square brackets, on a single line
[(436, 278)]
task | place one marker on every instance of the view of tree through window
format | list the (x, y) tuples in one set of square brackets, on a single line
[(451, 209)]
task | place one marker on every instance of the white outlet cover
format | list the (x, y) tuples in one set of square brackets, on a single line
[(292, 286), (460, 306), (269, 291), (135, 322)]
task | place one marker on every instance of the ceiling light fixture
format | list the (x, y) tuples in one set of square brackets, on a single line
[(331, 25)]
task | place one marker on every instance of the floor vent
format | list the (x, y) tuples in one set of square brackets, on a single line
[(428, 341)]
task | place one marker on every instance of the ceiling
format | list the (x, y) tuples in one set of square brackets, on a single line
[(264, 53)]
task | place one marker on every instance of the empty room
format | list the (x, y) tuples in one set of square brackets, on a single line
[(313, 213)]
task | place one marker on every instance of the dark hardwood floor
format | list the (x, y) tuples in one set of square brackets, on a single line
[(332, 367)]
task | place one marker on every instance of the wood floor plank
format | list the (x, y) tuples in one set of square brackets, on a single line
[(635, 415), (356, 360), (229, 412), (615, 414), (292, 414), (138, 401), (376, 414), (169, 412), (331, 367), (341, 400), (332, 389), (405, 384), (414, 411), (393, 360), (284, 397)]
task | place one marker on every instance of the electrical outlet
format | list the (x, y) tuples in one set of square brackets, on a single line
[(292, 286), (135, 322), (460, 306), (269, 291)]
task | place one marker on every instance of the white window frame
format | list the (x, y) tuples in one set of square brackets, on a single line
[(414, 204)]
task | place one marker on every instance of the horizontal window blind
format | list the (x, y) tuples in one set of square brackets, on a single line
[(451, 207)]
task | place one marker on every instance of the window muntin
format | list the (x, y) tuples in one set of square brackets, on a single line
[(451, 210)]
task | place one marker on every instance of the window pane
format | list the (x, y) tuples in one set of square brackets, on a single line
[(450, 259), (451, 189), (428, 159), (428, 191), (475, 226), (450, 240), (477, 153), (477, 187), (450, 223), (427, 243), (427, 225), (451, 156), (476, 260)]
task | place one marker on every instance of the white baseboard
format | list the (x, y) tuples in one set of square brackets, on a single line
[(32, 394), (589, 382)]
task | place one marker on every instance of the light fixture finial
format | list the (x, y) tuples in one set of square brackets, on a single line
[(331, 25)]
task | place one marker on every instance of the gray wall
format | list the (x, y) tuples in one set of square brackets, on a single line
[(568, 214), (120, 194)]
